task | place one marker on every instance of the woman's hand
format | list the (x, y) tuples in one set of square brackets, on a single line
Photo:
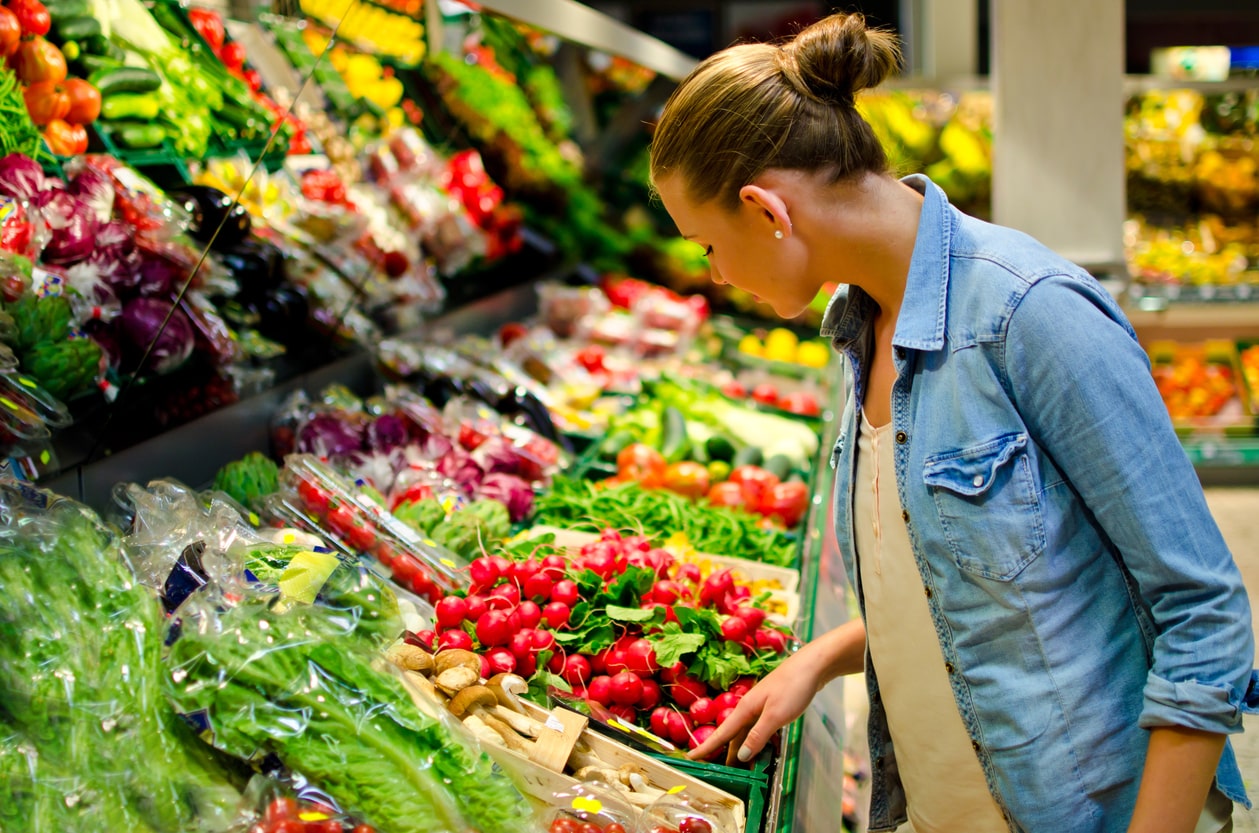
[(786, 692)]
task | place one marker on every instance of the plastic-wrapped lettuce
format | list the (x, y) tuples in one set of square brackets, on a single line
[(88, 740), (270, 676)]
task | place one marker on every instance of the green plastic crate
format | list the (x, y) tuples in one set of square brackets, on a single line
[(750, 785)]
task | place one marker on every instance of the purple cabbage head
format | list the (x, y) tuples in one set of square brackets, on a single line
[(328, 435), (96, 189), (141, 325), (459, 466), (386, 433), (513, 492), (23, 178), (73, 225)]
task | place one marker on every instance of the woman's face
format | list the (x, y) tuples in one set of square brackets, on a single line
[(741, 247)]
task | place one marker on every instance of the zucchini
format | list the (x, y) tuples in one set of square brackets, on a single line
[(749, 455), (125, 80), (675, 445), (614, 443), (779, 465), (58, 9), (142, 106), (237, 117), (720, 448), (135, 135), (93, 64), (76, 28)]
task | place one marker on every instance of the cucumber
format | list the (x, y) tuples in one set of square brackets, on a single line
[(750, 455), (76, 28), (93, 64), (614, 443), (779, 465), (58, 9), (675, 445), (125, 80), (720, 448), (136, 135), (140, 106)]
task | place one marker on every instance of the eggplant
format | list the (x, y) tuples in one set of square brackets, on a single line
[(283, 314), (215, 212), (257, 266)]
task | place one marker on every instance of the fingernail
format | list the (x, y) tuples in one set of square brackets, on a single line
[(745, 754)]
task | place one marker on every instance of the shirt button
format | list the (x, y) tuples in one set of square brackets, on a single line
[(948, 666), (974, 744), (927, 590), (979, 480), (905, 515), (902, 437)]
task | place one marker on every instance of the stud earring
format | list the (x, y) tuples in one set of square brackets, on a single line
[(778, 233)]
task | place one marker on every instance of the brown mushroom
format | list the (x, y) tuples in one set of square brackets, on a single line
[(455, 670), (452, 657), (477, 701), (411, 657)]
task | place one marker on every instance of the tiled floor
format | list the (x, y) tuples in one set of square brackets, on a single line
[(1237, 513)]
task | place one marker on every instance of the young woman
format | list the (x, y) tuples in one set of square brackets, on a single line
[(1054, 634)]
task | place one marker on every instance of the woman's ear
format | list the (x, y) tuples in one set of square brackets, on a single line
[(769, 206)]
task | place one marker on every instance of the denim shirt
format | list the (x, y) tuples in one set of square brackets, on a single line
[(1079, 587)]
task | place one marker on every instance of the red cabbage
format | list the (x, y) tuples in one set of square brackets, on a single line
[(459, 467), (73, 226), (115, 259), (156, 275), (328, 435), (497, 454), (437, 446), (96, 189), (141, 324), (386, 432), (514, 493), (23, 178)]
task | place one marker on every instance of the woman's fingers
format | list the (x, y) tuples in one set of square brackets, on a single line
[(742, 717)]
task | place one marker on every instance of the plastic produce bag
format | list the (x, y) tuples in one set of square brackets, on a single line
[(269, 676), (680, 812), (87, 739), (592, 803)]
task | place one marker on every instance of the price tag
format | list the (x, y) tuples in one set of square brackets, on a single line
[(676, 790), (553, 723), (587, 804)]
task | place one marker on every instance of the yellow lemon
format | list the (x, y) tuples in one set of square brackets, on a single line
[(751, 345), (781, 341), (813, 354)]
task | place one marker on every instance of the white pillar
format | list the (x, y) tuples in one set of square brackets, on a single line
[(947, 36), (1058, 166)]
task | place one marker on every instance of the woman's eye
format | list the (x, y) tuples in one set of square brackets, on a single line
[(708, 252)]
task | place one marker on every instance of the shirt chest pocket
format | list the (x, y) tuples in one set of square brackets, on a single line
[(989, 506)]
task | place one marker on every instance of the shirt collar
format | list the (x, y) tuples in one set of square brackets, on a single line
[(921, 322)]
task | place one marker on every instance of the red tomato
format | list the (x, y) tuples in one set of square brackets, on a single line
[(765, 393), (687, 479), (32, 16), (642, 463), (281, 808), (315, 498), (787, 502), (233, 55), (727, 494), (38, 60), (361, 536), (10, 32), (695, 824), (591, 358), (46, 101), (755, 483), (735, 389), (800, 402)]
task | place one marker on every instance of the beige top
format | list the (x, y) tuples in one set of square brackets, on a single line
[(944, 784)]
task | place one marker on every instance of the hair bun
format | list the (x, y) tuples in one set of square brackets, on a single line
[(838, 56)]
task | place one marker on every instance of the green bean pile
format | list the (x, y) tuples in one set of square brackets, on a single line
[(17, 132)]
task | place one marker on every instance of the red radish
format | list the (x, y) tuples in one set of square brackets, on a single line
[(486, 668), (543, 640), (527, 667), (740, 592), (601, 562), (565, 592), (617, 663), (454, 638), (742, 686), (689, 572), (686, 690), (626, 712), (514, 622), (660, 722), (538, 587), (522, 571), (627, 688), (666, 592), (772, 640), (734, 629), (700, 734), (599, 689), (530, 614), (640, 658), (484, 572), (579, 691), (557, 663), (726, 700), (426, 638), (556, 614), (703, 711), (608, 535), (640, 543), (599, 662), (503, 564), (716, 587), (651, 695), (754, 616), (724, 715), (502, 661), (671, 674), (507, 591), (521, 644), (577, 671), (451, 611), (493, 628), (476, 607), (554, 567), (679, 729)]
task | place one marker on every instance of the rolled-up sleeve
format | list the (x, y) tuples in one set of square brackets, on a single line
[(1083, 386)]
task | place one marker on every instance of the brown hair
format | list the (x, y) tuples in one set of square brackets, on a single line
[(758, 106)]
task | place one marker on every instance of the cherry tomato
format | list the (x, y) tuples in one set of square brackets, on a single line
[(687, 478), (315, 498), (281, 808), (641, 463), (694, 824), (765, 393), (787, 502), (361, 536), (735, 389)]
